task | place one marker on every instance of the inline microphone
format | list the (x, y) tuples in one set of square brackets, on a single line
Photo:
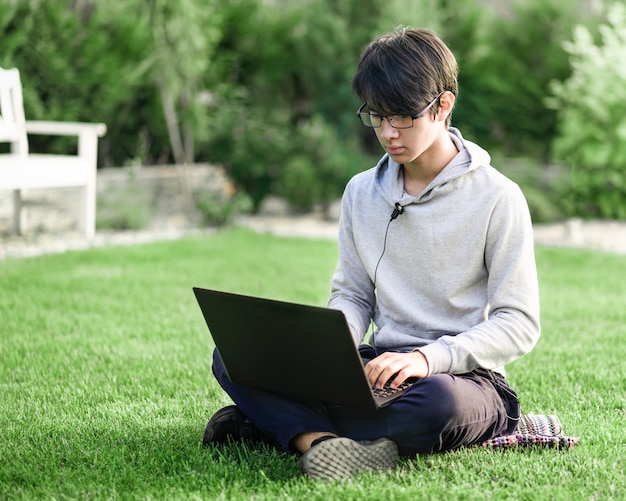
[(397, 211)]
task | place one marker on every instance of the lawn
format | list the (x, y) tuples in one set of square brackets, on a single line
[(105, 388)]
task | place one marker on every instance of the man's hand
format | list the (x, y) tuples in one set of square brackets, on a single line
[(401, 365)]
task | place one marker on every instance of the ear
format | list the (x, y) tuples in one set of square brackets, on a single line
[(446, 104)]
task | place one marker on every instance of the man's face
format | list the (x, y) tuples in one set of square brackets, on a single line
[(408, 145)]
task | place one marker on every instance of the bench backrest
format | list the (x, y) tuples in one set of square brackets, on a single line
[(12, 119)]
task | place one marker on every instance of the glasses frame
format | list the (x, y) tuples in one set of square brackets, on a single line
[(389, 118)]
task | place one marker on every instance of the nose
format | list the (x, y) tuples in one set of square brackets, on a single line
[(386, 130)]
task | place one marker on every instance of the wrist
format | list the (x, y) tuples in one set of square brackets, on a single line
[(424, 361)]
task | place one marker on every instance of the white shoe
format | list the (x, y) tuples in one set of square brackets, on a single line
[(341, 457)]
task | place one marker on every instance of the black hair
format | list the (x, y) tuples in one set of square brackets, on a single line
[(402, 71)]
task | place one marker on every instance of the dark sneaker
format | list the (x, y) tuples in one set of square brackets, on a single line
[(338, 458), (229, 424)]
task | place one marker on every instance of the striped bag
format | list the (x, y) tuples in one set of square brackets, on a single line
[(534, 430)]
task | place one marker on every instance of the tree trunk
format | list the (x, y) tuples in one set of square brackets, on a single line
[(178, 148)]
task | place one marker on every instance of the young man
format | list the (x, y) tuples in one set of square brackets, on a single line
[(436, 248)]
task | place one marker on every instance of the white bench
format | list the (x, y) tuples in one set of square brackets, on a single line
[(20, 170)]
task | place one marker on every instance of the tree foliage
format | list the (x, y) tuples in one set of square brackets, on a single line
[(283, 94), (592, 123), (263, 86)]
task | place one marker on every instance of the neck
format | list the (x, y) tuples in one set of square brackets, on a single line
[(421, 171)]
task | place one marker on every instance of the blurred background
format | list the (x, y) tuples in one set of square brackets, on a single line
[(262, 89)]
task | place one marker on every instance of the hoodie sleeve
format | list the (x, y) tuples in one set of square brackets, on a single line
[(352, 290), (512, 326)]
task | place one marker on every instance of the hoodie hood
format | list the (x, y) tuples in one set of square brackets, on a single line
[(390, 180)]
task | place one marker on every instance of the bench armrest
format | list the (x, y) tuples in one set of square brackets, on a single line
[(65, 128)]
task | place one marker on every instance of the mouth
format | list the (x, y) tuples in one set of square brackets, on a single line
[(394, 150)]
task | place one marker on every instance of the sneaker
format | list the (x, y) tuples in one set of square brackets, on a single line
[(337, 458), (230, 424)]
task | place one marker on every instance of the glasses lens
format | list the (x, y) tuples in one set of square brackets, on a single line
[(401, 121), (369, 120), (365, 119), (373, 120)]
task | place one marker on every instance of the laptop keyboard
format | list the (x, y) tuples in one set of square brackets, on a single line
[(387, 391)]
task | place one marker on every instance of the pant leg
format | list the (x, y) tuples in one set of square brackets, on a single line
[(440, 412), (279, 417)]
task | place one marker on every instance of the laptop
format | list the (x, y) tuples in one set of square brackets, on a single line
[(287, 348)]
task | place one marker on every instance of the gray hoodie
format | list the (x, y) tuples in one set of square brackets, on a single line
[(454, 273)]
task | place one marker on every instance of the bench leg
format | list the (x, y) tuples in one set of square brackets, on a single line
[(87, 149), (86, 210)]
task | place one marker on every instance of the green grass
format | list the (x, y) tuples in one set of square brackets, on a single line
[(105, 387)]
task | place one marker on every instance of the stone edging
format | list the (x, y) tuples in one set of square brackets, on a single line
[(608, 236)]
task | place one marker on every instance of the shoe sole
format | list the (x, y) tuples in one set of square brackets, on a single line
[(342, 457)]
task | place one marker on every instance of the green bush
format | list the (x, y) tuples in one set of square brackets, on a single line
[(592, 123), (320, 165), (541, 188), (78, 63), (125, 208), (220, 210), (278, 107), (299, 183), (253, 145), (543, 208), (506, 74), (258, 85)]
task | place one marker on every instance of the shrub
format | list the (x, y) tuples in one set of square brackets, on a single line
[(278, 106), (299, 183), (77, 63), (218, 209), (539, 185), (125, 208), (503, 84), (320, 166), (592, 124)]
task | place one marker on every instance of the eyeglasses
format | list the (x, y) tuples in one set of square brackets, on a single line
[(374, 120)]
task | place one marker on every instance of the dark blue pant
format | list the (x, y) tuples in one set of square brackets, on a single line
[(440, 412)]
